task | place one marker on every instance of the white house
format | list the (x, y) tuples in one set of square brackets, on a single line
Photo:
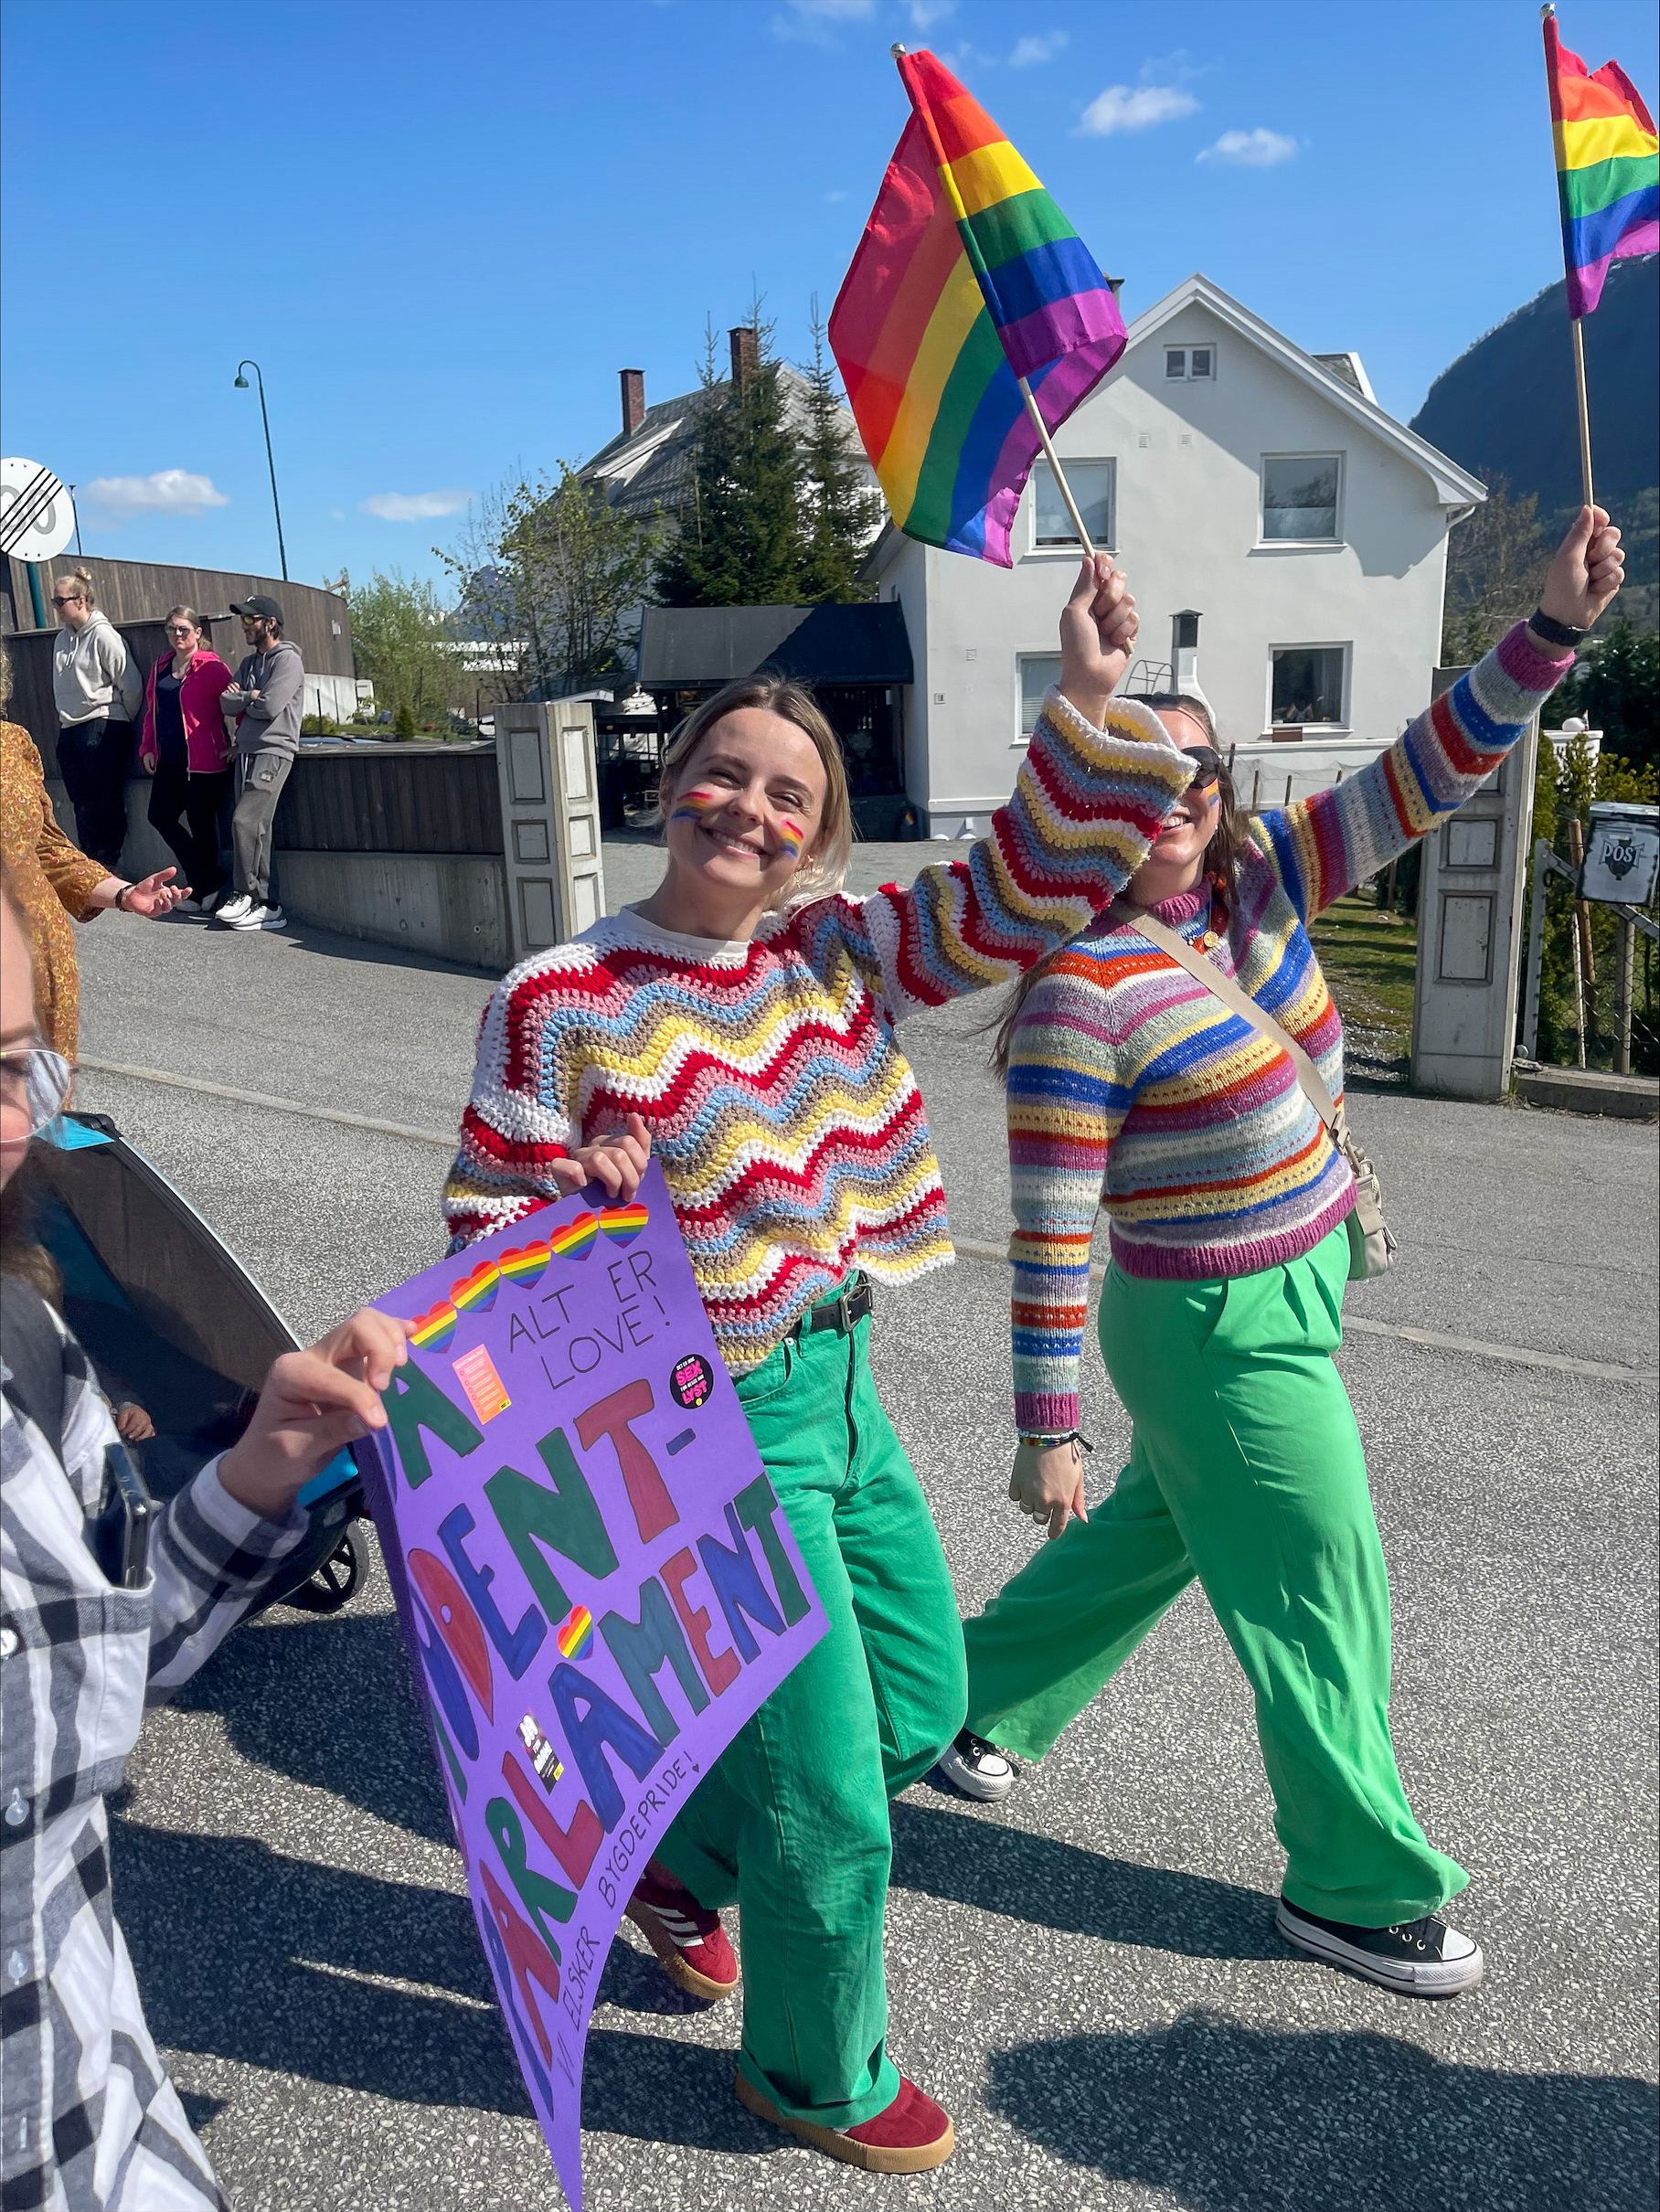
[(1285, 539)]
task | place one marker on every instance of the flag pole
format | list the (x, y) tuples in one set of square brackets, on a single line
[(1038, 424), (1548, 20)]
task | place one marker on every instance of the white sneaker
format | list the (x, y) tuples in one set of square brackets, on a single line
[(259, 918), (976, 1768), (233, 909), (1423, 1958)]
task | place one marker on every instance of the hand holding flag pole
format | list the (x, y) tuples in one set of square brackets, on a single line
[(1608, 184)]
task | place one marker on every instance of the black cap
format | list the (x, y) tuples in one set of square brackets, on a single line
[(259, 605)]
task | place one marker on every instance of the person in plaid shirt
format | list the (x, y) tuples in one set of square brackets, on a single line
[(88, 2115)]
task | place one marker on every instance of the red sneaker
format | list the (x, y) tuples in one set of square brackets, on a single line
[(689, 1942), (912, 2136)]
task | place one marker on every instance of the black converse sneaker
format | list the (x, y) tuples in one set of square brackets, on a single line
[(1415, 1958), (976, 1768)]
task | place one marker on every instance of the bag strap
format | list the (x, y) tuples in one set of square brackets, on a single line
[(34, 1352), (1240, 1003)]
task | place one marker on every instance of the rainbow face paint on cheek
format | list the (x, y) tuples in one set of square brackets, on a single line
[(696, 806), (791, 837)]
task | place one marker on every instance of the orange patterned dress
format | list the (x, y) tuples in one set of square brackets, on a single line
[(53, 878)]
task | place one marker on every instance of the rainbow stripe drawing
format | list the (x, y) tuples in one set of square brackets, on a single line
[(523, 1264), (575, 1633), (431, 1331), (575, 1239), (476, 1293), (623, 1224), (1608, 169), (967, 278)]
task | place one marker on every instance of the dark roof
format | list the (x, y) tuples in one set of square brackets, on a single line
[(697, 648), (646, 472)]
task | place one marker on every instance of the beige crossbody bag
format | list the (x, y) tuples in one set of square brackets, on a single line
[(1371, 1247)]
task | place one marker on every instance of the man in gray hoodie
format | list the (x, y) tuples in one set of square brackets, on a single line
[(266, 702), (99, 693)]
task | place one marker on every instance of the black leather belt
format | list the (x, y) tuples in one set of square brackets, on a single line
[(841, 1312)]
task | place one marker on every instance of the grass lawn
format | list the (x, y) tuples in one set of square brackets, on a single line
[(1370, 959)]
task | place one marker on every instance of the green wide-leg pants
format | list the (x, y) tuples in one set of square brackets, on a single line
[(791, 1823), (1246, 1469)]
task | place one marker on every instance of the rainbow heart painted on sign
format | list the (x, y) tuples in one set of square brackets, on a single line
[(430, 1332), (576, 1240), (526, 1264), (623, 1224), (575, 1633), (476, 1293)]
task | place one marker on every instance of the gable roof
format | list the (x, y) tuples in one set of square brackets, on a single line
[(647, 471), (1454, 487)]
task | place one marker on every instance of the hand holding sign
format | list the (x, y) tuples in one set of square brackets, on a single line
[(596, 1601)]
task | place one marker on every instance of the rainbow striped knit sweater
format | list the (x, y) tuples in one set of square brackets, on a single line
[(1132, 1089), (789, 1126)]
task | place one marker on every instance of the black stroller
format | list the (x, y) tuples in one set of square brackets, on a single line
[(171, 1324)]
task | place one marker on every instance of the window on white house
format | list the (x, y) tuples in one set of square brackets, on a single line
[(1190, 364), (1308, 683), (1037, 672), (1092, 482), (1300, 495)]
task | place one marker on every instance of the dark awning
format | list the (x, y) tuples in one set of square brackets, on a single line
[(697, 648)]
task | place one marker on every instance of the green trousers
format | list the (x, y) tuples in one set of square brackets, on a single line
[(1245, 1469), (791, 1823)]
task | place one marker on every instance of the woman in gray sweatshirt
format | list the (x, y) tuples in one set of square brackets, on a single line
[(97, 693)]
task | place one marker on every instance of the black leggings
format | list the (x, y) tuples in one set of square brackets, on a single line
[(195, 847), (92, 759)]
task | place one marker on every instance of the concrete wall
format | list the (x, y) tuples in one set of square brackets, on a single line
[(1187, 528), (451, 905)]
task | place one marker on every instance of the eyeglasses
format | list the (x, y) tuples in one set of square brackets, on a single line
[(180, 630), (68, 599), (34, 1083), (1207, 765)]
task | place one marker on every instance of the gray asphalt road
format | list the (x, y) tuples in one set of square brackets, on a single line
[(1086, 1976)]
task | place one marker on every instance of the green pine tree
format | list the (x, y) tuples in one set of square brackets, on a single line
[(739, 540), (841, 511)]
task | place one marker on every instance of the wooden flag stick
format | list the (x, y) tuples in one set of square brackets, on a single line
[(1053, 458), (1559, 146), (1579, 377)]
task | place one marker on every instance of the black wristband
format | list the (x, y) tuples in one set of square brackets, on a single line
[(120, 898), (1556, 634)]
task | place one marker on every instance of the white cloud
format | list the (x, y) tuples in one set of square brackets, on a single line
[(925, 13), (1034, 49), (1124, 107), (812, 19), (833, 196), (414, 506), (169, 492), (1257, 149), (338, 514)]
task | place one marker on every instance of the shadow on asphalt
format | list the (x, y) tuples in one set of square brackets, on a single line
[(1227, 2118), (328, 1700), (979, 1862), (242, 1953)]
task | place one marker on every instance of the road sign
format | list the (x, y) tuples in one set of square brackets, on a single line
[(37, 514)]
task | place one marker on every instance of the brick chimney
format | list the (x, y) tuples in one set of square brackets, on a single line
[(632, 382), (746, 355)]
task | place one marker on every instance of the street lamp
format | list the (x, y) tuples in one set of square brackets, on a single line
[(241, 386)]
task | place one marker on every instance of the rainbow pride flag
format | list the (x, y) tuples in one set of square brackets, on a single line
[(1608, 168), (968, 277)]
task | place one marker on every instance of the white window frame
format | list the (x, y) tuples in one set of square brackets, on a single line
[(1312, 644), (1023, 737), (1185, 375), (1312, 453), (1070, 549)]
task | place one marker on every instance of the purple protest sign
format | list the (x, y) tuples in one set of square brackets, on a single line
[(596, 1581)]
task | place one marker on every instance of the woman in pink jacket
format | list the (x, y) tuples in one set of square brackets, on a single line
[(185, 747)]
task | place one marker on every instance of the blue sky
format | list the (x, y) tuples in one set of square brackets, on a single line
[(443, 229)]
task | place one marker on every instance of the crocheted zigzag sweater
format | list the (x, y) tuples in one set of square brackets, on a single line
[(1133, 1088), (788, 1124)]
